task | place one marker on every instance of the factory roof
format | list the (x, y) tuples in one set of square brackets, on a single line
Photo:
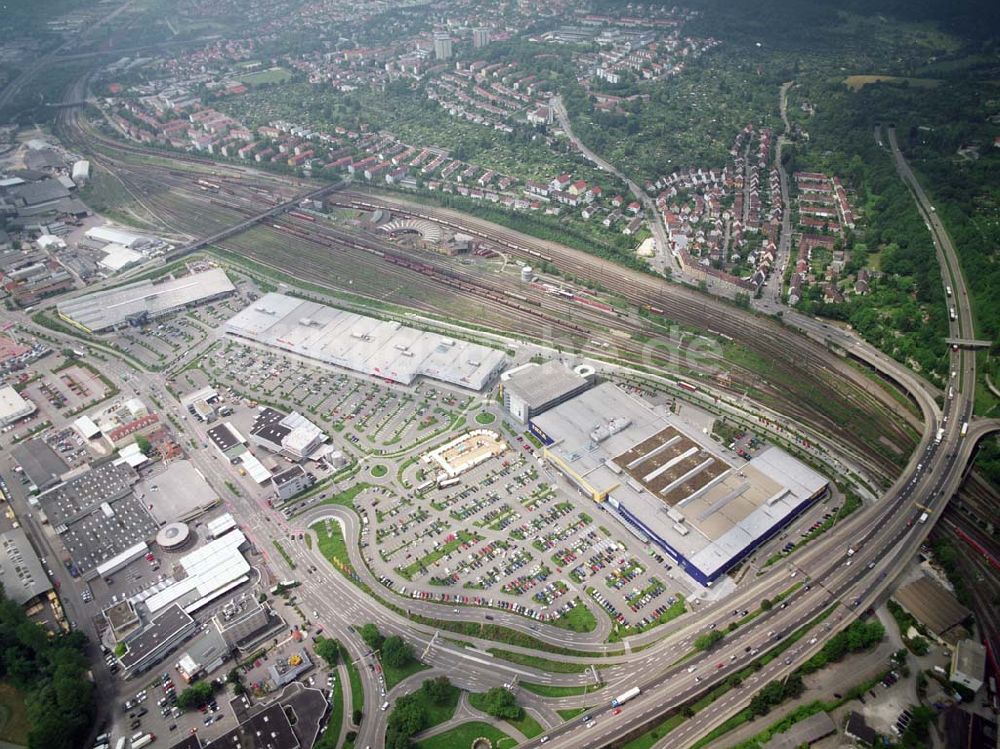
[(208, 572), (105, 309), (118, 256), (970, 658), (96, 514), (110, 235), (380, 348), (708, 505), (12, 405), (540, 384), (40, 463), (934, 605), (178, 493), (268, 729), (163, 629), (225, 437), (21, 572), (100, 484), (268, 426), (37, 193)]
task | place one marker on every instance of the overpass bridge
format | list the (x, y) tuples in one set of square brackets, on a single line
[(232, 231), (969, 343)]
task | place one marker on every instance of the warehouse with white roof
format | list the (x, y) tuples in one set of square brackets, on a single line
[(671, 484), (380, 348), (138, 303), (204, 574)]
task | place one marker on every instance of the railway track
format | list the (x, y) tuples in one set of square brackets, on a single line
[(805, 380)]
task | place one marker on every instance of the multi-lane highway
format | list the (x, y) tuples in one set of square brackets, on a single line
[(883, 538)]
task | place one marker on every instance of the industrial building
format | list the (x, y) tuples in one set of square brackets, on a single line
[(968, 664), (532, 388), (138, 303), (201, 576), (267, 729), (42, 465), (379, 348), (291, 435), (179, 493), (21, 573), (13, 407), (151, 644), (203, 655), (670, 484), (99, 519)]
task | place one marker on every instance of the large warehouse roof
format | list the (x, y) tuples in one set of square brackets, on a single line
[(364, 344), (21, 572), (706, 508), (106, 309), (540, 384), (208, 572)]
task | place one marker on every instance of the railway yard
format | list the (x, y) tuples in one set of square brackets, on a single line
[(426, 506)]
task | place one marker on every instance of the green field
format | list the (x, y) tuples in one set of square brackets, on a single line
[(395, 675), (463, 736), (855, 82), (272, 75), (13, 716), (577, 619)]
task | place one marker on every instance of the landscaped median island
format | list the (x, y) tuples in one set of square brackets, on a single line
[(500, 703), (430, 705), (464, 734)]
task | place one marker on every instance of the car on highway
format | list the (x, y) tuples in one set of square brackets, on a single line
[(616, 711), (591, 724)]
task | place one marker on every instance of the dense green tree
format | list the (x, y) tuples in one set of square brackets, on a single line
[(396, 652), (372, 637), (438, 690), (500, 703), (328, 649), (708, 640), (195, 695)]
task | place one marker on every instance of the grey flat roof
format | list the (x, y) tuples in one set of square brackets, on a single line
[(96, 514), (21, 572), (106, 482), (207, 647), (932, 604), (40, 462), (970, 657), (44, 191), (181, 492), (164, 628), (538, 386), (362, 344), (105, 309)]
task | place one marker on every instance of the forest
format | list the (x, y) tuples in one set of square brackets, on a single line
[(52, 674)]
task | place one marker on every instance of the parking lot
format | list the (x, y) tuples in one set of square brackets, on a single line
[(504, 535), (369, 415)]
